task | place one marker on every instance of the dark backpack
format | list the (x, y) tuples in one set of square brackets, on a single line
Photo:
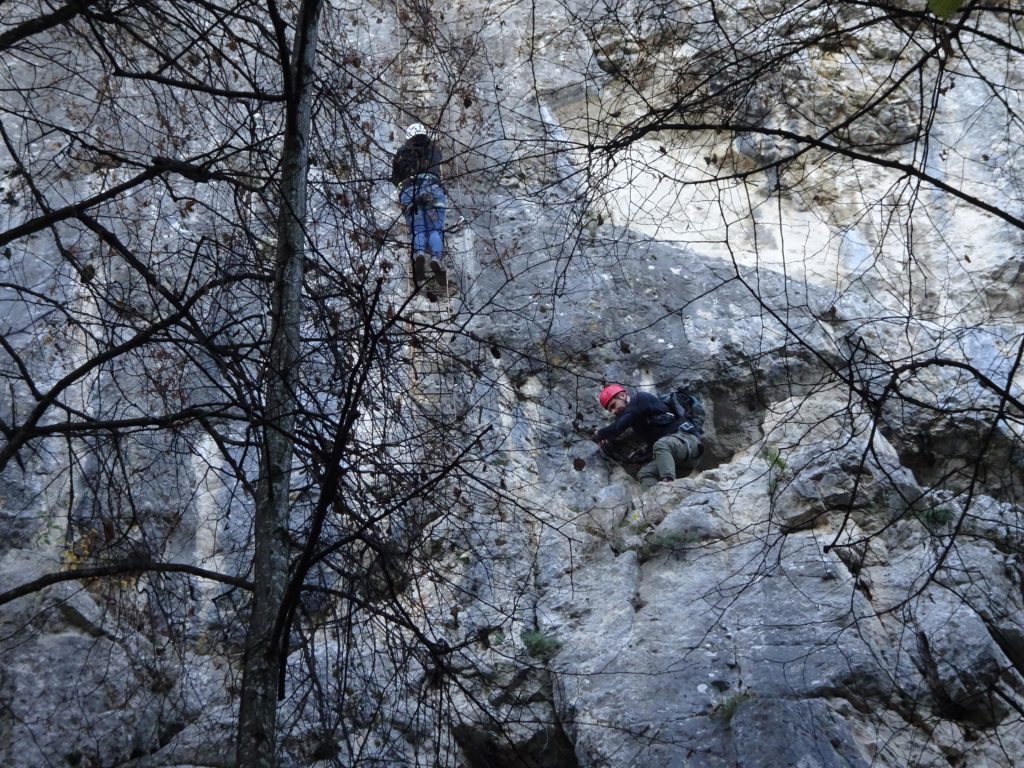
[(415, 156), (687, 408)]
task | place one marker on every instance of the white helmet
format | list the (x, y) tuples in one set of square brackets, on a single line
[(416, 129)]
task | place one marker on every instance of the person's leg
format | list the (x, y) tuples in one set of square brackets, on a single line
[(434, 226), (419, 255), (665, 458), (419, 229), (417, 232), (415, 215), (691, 457), (648, 475), (419, 268), (673, 450)]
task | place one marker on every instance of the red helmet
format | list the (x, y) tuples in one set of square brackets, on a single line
[(608, 393)]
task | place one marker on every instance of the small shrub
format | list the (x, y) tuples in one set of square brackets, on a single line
[(727, 707), (540, 645), (937, 517), (667, 542), (776, 468)]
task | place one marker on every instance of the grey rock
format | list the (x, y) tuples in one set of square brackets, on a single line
[(780, 733), (961, 660)]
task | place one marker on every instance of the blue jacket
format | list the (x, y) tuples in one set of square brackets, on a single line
[(646, 415)]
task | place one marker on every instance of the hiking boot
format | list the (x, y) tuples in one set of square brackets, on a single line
[(440, 275), (419, 268), (668, 478)]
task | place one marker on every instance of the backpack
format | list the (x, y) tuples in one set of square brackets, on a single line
[(687, 408), (414, 156)]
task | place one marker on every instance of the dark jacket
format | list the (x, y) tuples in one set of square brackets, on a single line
[(418, 155), (646, 415)]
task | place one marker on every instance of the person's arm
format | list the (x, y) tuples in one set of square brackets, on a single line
[(395, 172), (436, 158), (641, 406), (617, 427)]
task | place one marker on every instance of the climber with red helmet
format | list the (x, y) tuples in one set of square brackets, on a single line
[(673, 441)]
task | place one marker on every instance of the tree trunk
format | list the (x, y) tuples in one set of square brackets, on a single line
[(265, 650)]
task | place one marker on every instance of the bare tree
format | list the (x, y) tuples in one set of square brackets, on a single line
[(265, 644), (214, 329)]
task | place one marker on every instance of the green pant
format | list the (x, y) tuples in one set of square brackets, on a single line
[(680, 448)]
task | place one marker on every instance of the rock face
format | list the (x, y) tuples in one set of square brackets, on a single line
[(837, 584), (733, 628)]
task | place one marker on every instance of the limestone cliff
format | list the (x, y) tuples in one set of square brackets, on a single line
[(809, 215)]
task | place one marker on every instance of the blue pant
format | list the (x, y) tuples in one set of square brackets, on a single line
[(423, 202)]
